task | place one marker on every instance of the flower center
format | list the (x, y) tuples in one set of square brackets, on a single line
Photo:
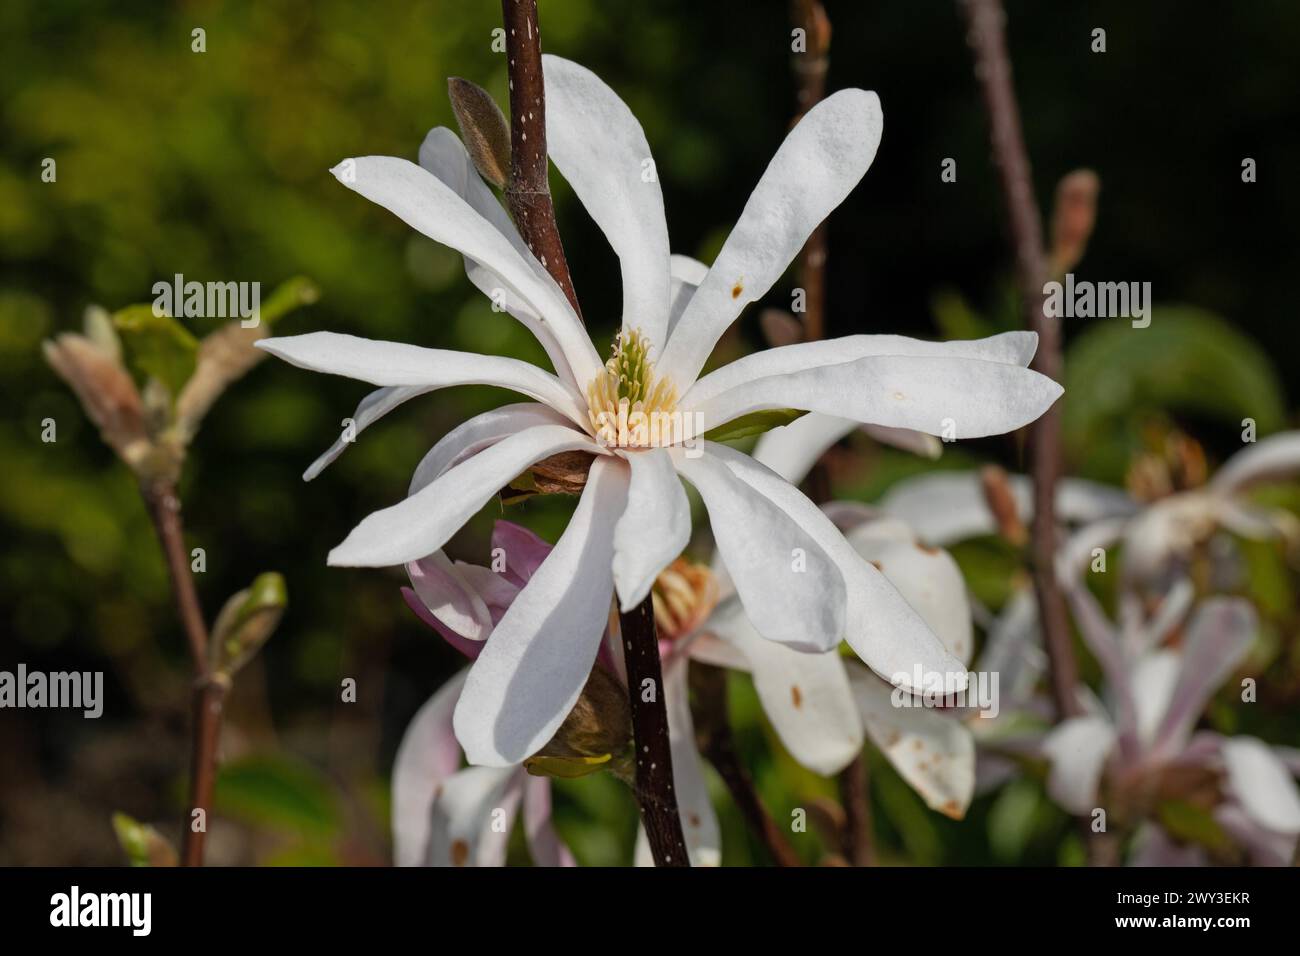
[(684, 595), (628, 406)]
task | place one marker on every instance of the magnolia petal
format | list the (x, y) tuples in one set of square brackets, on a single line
[(1155, 847), (1008, 348), (482, 431), (954, 397), (905, 439), (600, 149), (538, 659), (805, 696), (1262, 784), (1077, 749), (793, 449), (881, 627), (1264, 847), (1100, 636), (372, 408), (684, 277), (394, 363), (1217, 640), (543, 842), (443, 154), (933, 752), (1277, 456), (427, 755), (821, 160), (462, 818), (422, 523), (789, 586), (448, 597), (422, 201), (699, 821), (946, 507), (523, 550), (927, 578), (654, 528), (1012, 650), (1154, 677), (463, 645)]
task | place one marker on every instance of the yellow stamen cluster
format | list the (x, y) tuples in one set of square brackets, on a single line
[(627, 391), (684, 594)]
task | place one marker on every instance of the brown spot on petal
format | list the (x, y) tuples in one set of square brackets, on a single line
[(736, 290), (459, 853), (918, 745), (926, 549), (877, 565), (796, 697), (694, 819), (951, 809)]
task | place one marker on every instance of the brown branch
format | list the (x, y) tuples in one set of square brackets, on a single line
[(528, 193), (529, 198), (855, 795), (810, 69), (208, 695), (654, 757), (986, 35), (718, 744)]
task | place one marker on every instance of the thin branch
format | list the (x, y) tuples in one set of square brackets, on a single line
[(654, 757), (855, 796), (528, 193), (208, 696), (810, 69), (529, 197), (986, 35), (718, 744)]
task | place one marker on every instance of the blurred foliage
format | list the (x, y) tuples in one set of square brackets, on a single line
[(214, 166)]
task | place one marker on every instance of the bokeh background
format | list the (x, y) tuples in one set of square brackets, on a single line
[(215, 164)]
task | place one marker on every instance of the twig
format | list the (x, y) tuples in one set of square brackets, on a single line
[(986, 21), (529, 198), (855, 795), (208, 696), (654, 756), (718, 744), (528, 193), (810, 72)]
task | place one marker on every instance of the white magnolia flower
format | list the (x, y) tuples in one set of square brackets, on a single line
[(798, 579), (1164, 535), (1142, 741)]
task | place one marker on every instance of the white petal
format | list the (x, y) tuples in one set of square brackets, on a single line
[(394, 363), (372, 408), (1265, 847), (905, 439), (684, 277), (968, 398), (927, 577), (422, 523), (1217, 640), (1012, 650), (1269, 460), (443, 154), (461, 831), (444, 591), (789, 586), (598, 146), (1008, 348), (427, 755), (881, 627), (482, 431), (805, 696), (821, 160), (654, 528), (699, 822), (1154, 679), (933, 752), (1078, 749), (1262, 784), (543, 842), (422, 201), (793, 449), (539, 656)]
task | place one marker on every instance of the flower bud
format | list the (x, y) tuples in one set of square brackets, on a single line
[(484, 129), (1073, 217)]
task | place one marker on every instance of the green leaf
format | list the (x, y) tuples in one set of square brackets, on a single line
[(288, 295), (143, 845), (279, 794), (755, 423), (157, 346), (566, 768), (1185, 362), (247, 621)]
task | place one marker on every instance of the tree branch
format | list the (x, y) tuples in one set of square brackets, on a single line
[(208, 696), (986, 36), (718, 744), (810, 69), (529, 197)]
